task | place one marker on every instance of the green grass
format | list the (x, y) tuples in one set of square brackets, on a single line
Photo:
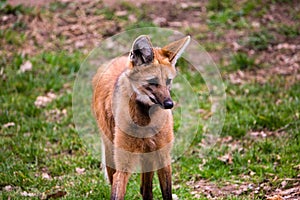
[(140, 24), (259, 40), (289, 31), (257, 109), (227, 19), (6, 8), (13, 37), (108, 13), (35, 145), (241, 61), (229, 14), (57, 6), (216, 5), (38, 143)]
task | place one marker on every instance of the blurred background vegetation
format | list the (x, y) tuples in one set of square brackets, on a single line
[(255, 43)]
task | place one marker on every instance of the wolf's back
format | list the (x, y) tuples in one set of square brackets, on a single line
[(103, 86)]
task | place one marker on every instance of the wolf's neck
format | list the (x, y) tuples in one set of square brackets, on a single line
[(126, 103), (133, 116), (138, 111)]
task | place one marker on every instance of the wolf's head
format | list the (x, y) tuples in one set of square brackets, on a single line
[(153, 69)]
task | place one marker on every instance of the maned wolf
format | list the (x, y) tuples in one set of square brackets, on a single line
[(131, 103)]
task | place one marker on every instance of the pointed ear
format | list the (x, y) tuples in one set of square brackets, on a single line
[(142, 51), (174, 50)]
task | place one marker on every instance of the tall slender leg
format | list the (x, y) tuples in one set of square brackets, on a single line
[(146, 185), (120, 180), (165, 181), (107, 150), (110, 172)]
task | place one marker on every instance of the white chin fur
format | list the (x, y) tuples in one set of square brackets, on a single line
[(144, 99)]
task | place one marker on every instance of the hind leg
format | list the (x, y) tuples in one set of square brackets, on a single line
[(107, 159), (110, 173)]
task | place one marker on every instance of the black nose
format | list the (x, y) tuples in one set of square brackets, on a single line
[(168, 104)]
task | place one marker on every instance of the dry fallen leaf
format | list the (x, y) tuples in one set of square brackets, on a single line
[(160, 21), (42, 101), (297, 167), (79, 44), (275, 197), (121, 13), (79, 170), (27, 194), (55, 115), (132, 18), (283, 183), (8, 188), (235, 79), (252, 173), (56, 195), (258, 134), (46, 176), (9, 124), (27, 66), (227, 158), (175, 24), (236, 46), (255, 24), (175, 197)]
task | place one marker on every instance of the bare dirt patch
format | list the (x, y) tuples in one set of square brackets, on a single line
[(291, 193), (212, 191), (30, 2), (83, 24), (282, 59), (81, 27)]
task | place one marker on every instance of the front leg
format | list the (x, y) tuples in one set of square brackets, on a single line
[(125, 162), (165, 181), (146, 185), (120, 180)]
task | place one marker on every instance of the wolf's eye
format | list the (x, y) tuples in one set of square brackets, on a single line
[(153, 81), (168, 82)]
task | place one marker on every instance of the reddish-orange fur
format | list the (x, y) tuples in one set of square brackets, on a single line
[(104, 85)]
